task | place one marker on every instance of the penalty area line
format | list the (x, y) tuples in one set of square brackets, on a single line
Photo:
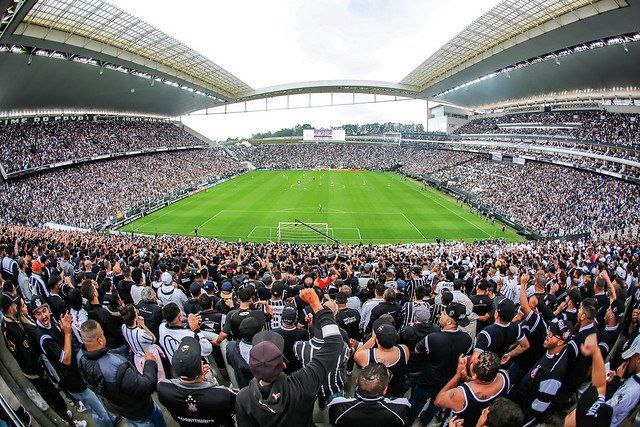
[(414, 226)]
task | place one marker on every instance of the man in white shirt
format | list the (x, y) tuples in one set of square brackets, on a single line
[(172, 331), (169, 293), (627, 397), (136, 289), (352, 302), (368, 306)]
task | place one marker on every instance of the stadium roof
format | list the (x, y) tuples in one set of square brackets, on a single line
[(516, 36), (97, 25), (484, 36)]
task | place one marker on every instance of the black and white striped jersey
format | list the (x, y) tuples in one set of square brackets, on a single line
[(137, 338), (305, 350)]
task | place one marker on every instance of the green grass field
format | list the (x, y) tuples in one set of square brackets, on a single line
[(367, 207)]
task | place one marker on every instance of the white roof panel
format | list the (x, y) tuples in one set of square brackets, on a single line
[(105, 23), (505, 21)]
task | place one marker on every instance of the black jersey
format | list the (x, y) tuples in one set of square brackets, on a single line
[(349, 320), (291, 336), (498, 338), (473, 407), (535, 329), (197, 404), (51, 342), (538, 390), (360, 411), (443, 350), (482, 305)]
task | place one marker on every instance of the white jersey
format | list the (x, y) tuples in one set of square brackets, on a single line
[(138, 339), (625, 399), (170, 337), (169, 294)]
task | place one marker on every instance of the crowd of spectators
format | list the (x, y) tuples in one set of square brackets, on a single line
[(552, 200), (89, 194), (410, 160), (588, 163), (28, 145), (327, 155), (601, 126), (490, 334)]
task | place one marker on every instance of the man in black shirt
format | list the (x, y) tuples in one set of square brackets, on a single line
[(579, 364), (348, 318), (124, 286), (59, 353), (111, 325), (388, 306), (191, 399), (192, 305), (443, 350), (150, 311), (291, 334), (232, 323), (482, 306), (56, 304), (369, 403), (538, 390), (500, 336)]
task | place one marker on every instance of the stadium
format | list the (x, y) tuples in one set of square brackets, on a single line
[(476, 265)]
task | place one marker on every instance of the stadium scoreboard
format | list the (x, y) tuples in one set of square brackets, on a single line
[(317, 135)]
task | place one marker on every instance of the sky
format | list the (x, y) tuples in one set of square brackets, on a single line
[(266, 43)]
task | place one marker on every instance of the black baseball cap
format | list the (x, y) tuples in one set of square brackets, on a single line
[(561, 328), (289, 314), (592, 410), (249, 327), (265, 356), (387, 335), (458, 312), (7, 301), (506, 309), (186, 361), (575, 296), (37, 302), (617, 307), (277, 289)]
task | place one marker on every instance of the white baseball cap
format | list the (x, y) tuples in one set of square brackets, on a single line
[(634, 348), (166, 278)]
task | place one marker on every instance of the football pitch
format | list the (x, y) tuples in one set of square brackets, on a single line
[(352, 206)]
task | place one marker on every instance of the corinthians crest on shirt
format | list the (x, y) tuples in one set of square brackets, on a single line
[(534, 371), (191, 404)]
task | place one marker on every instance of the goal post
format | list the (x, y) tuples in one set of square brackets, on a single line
[(301, 232)]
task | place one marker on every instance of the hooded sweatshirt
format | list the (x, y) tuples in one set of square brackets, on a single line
[(289, 401)]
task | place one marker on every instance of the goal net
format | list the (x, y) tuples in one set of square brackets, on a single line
[(312, 232)]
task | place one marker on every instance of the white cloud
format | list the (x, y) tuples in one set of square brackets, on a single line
[(267, 43)]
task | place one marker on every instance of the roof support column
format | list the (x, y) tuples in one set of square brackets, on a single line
[(427, 115)]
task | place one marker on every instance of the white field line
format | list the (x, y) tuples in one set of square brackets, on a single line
[(175, 208), (212, 217), (447, 208), (414, 226), (256, 228)]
